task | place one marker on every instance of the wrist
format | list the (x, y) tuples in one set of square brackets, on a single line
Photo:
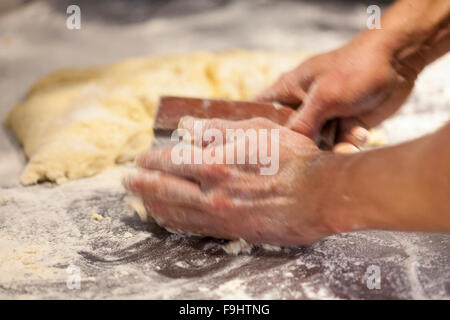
[(406, 55), (413, 34)]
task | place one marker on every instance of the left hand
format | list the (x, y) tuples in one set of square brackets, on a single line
[(234, 201)]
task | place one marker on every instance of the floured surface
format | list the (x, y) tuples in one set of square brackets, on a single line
[(46, 228), (122, 258)]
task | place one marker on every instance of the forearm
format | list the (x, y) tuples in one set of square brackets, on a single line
[(413, 32), (404, 187)]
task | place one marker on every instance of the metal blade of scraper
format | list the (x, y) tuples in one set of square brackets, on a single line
[(171, 109)]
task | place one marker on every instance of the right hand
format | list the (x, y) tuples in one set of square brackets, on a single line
[(358, 83)]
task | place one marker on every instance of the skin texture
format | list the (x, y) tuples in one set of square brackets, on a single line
[(210, 199), (316, 193)]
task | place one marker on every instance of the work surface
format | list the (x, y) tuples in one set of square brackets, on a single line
[(47, 233)]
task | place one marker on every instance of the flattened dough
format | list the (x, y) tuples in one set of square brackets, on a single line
[(75, 123)]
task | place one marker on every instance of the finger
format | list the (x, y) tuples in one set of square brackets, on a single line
[(202, 132), (181, 219), (257, 154), (190, 123), (345, 147), (175, 162), (192, 130), (163, 187), (284, 92), (318, 107), (351, 130)]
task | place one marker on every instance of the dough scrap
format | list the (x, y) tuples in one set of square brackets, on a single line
[(136, 204), (75, 123), (96, 217), (237, 247)]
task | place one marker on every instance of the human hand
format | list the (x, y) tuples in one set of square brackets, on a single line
[(359, 83), (234, 201)]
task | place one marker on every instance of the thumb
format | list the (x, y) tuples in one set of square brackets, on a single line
[(312, 115), (299, 123)]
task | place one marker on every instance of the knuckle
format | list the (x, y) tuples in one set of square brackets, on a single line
[(186, 122)]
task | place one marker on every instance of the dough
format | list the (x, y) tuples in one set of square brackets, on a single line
[(75, 123), (136, 204)]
